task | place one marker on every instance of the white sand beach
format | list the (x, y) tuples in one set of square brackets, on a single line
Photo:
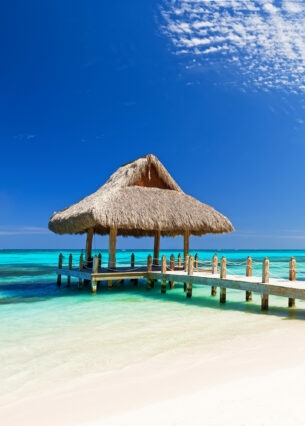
[(255, 380)]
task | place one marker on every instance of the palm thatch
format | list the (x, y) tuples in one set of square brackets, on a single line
[(139, 199)]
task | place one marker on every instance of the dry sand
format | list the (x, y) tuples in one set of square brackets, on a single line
[(259, 380)]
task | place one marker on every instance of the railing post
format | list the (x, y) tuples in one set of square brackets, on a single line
[(95, 265), (179, 261), (249, 274), (163, 271), (60, 259), (132, 260), (190, 272), (214, 271), (196, 261), (69, 267), (99, 260), (223, 275), (265, 280), (215, 264), (292, 277)]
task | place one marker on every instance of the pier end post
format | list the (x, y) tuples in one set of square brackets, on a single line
[(214, 271), (223, 275), (249, 274), (292, 277), (60, 259), (265, 279), (172, 268), (70, 267), (163, 271)]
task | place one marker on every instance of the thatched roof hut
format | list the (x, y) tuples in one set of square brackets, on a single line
[(139, 199)]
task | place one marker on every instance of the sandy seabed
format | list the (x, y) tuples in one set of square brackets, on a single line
[(255, 380)]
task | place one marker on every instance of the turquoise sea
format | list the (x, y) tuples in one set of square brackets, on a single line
[(50, 335)]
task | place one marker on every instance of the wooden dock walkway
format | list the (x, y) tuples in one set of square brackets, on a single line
[(191, 274)]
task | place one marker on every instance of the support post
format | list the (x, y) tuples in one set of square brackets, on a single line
[(190, 272), (89, 239), (196, 262), (172, 268), (112, 248), (186, 248), (156, 247), (93, 286), (70, 267), (223, 275), (186, 262), (214, 271), (132, 260), (223, 295), (149, 263), (99, 260), (163, 271), (292, 277), (249, 274), (265, 279), (60, 259), (81, 267), (179, 261)]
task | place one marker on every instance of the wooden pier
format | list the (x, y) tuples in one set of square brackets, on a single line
[(190, 272)]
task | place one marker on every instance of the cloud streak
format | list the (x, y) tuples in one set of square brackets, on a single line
[(23, 230), (261, 42)]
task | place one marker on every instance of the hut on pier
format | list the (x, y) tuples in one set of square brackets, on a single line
[(139, 199)]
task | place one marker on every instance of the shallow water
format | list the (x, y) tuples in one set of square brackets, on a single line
[(52, 334)]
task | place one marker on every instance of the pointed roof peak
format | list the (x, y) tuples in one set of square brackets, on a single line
[(146, 171)]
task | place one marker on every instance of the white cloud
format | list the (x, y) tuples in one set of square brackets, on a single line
[(263, 40), (23, 230)]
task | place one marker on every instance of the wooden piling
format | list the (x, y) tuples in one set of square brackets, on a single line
[(60, 259), (95, 265), (223, 295), (292, 277), (215, 264), (265, 302), (179, 261), (99, 260), (265, 279), (132, 260), (93, 286), (70, 267), (266, 273), (186, 262), (157, 247), (149, 263), (223, 268), (89, 239), (223, 275), (172, 268), (249, 274), (81, 267), (112, 248), (214, 271), (196, 261), (190, 272), (163, 271)]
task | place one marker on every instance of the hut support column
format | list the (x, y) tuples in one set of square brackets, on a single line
[(186, 248), (89, 247), (112, 248), (156, 248)]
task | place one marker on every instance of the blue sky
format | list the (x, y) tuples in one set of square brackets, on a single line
[(215, 89)]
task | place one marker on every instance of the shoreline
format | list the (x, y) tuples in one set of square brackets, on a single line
[(227, 382)]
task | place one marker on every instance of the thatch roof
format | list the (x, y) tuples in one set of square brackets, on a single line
[(139, 199)]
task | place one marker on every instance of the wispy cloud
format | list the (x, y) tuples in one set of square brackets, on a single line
[(23, 230), (262, 42)]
